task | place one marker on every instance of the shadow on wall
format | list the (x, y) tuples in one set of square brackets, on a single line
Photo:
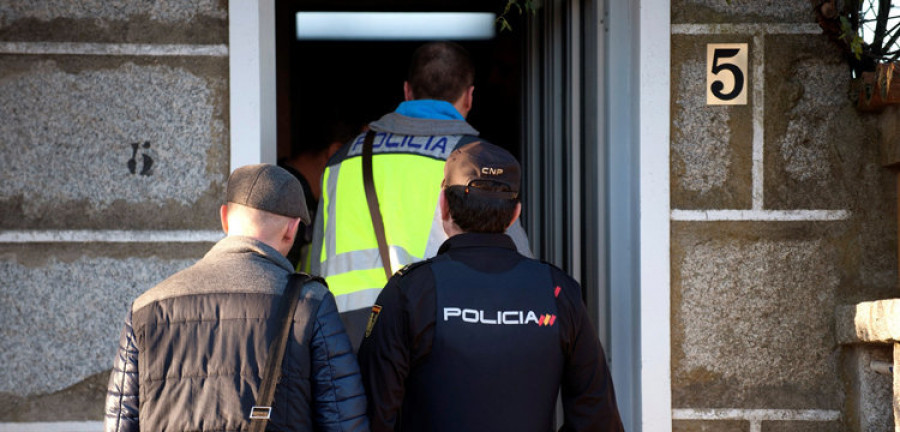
[(80, 402)]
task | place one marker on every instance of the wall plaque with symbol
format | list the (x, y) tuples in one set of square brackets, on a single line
[(726, 74)]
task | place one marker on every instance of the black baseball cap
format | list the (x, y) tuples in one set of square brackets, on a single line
[(481, 168), (268, 188)]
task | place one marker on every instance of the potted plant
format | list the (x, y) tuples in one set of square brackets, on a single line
[(869, 33)]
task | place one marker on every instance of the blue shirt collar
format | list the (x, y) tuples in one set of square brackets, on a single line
[(429, 109)]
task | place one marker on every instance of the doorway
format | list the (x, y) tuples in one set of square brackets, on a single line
[(632, 90), (357, 81), (541, 93), (537, 94)]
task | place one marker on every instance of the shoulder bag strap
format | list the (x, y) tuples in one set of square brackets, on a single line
[(372, 200), (262, 411)]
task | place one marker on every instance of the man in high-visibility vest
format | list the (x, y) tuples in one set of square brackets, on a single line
[(406, 153)]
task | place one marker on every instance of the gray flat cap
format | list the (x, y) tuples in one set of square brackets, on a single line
[(268, 188)]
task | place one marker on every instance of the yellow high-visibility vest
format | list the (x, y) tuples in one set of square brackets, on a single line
[(407, 172)]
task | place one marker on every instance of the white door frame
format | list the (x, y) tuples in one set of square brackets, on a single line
[(654, 35), (642, 331), (637, 137), (251, 67)]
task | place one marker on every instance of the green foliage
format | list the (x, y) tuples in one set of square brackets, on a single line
[(526, 6), (850, 35)]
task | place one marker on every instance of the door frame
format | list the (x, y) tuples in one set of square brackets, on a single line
[(637, 133), (251, 82), (653, 36)]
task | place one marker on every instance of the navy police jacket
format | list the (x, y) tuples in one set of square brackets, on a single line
[(483, 338)]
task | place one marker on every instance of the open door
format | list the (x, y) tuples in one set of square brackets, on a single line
[(541, 91)]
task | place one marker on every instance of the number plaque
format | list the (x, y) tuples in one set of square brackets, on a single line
[(726, 74)]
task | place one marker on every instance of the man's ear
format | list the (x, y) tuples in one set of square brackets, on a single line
[(445, 209), (463, 103), (333, 148), (290, 232), (407, 92), (515, 215), (470, 97), (223, 214)]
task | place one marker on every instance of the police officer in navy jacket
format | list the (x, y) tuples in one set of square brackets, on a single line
[(481, 338)]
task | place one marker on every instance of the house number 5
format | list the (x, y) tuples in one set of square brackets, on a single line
[(726, 74)]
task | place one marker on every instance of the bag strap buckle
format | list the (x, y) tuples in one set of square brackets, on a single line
[(260, 412)]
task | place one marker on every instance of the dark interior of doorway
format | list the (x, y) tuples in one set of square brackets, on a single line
[(356, 82)]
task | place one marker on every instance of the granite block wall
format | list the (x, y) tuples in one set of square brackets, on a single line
[(740, 11), (783, 209), (114, 129), (113, 157)]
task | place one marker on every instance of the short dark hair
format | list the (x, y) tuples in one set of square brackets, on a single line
[(440, 70), (478, 213)]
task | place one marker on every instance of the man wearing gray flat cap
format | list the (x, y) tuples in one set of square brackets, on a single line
[(239, 341)]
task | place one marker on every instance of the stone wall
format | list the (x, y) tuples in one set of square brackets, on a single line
[(782, 211), (113, 158), (114, 153)]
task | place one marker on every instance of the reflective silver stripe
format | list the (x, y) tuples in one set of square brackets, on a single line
[(366, 259), (315, 248), (331, 228), (361, 299), (426, 144), (517, 232), (437, 235)]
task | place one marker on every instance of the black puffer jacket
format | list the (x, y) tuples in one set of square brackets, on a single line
[(192, 348)]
